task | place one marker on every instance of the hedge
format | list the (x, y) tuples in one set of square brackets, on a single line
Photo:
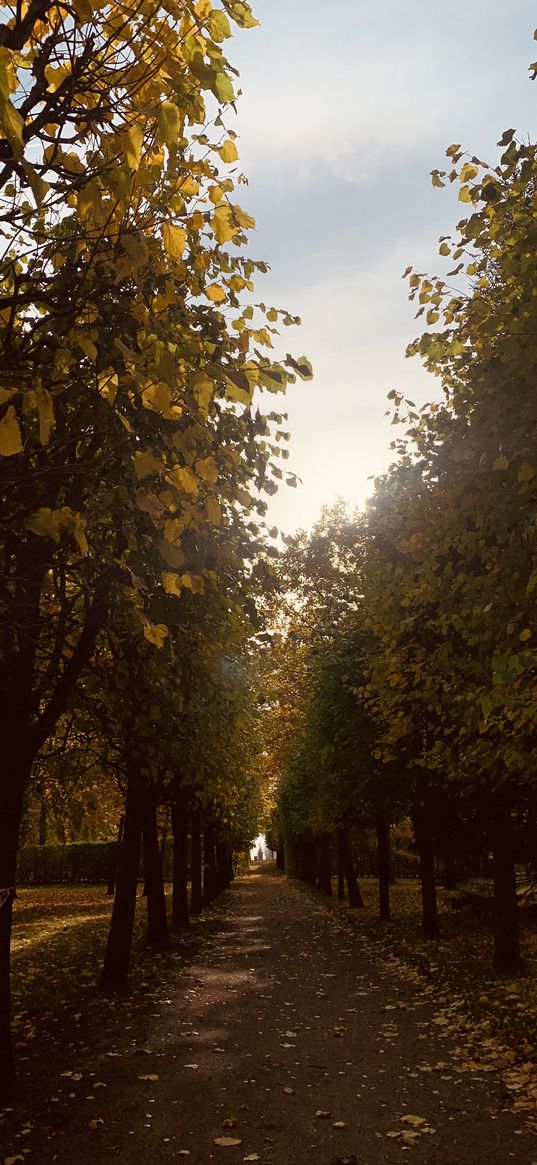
[(85, 862)]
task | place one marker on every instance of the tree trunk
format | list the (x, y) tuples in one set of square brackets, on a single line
[(307, 862), (340, 869), (423, 825), (164, 842), (356, 901), (180, 913), (113, 876), (157, 922), (118, 948), (209, 866), (17, 775), (42, 837), (224, 867), (507, 957), (384, 864), (324, 880), (196, 894)]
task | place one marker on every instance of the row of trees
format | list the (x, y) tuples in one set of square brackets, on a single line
[(133, 461), (412, 640)]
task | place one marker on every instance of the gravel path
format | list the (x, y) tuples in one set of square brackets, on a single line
[(288, 1041)]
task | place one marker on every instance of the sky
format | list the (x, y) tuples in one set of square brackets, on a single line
[(346, 107)]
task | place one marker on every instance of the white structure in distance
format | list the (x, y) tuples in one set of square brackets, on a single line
[(259, 851)]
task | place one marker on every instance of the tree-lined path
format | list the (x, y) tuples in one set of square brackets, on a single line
[(291, 1041)]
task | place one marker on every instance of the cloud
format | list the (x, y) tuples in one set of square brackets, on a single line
[(346, 109)]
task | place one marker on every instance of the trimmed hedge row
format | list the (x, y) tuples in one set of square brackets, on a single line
[(84, 862), (94, 862)]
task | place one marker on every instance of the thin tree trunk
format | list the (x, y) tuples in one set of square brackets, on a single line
[(113, 876), (340, 869), (324, 880), (196, 889), (157, 923), (209, 866), (356, 901), (17, 774), (180, 912), (164, 842), (384, 863), (507, 957), (42, 837), (423, 825), (118, 948)]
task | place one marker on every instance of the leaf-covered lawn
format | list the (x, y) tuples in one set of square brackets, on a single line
[(59, 937), (458, 967)]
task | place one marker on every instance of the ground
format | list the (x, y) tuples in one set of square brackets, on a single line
[(285, 1031)]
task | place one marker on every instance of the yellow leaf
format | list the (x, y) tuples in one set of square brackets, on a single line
[(465, 194), (145, 464), (108, 384), (13, 126), (188, 186), (525, 472), (157, 397), (203, 9), (213, 511), (215, 293), (243, 219), (222, 224), (174, 527), (228, 151), (133, 147), (468, 171), (185, 479), (38, 185), (174, 239), (10, 434), (45, 523), (88, 347), (525, 635), (501, 462), (169, 118), (155, 633), (193, 582), (215, 194), (171, 582), (207, 469), (203, 391)]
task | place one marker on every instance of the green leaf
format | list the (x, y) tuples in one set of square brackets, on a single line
[(223, 88), (219, 26)]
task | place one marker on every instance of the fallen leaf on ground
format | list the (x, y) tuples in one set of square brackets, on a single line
[(226, 1142)]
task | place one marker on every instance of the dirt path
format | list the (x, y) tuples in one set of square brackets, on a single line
[(287, 1036)]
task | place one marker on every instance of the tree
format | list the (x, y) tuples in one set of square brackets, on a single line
[(130, 355)]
